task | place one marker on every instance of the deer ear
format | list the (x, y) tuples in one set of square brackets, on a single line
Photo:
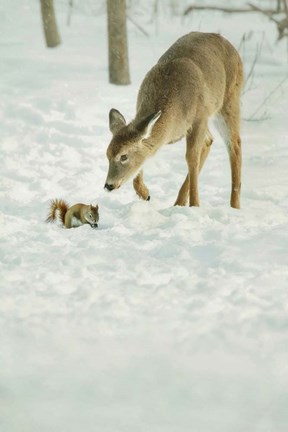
[(147, 124), (116, 121)]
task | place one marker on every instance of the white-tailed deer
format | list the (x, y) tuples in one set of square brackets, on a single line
[(199, 76)]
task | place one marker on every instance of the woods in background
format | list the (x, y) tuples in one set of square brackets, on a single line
[(117, 25)]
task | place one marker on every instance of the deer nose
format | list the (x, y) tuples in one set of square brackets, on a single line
[(109, 187)]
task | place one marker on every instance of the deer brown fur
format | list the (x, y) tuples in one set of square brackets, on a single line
[(198, 77)]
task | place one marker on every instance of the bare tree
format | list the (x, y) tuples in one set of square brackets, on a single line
[(117, 42), (282, 24), (52, 36)]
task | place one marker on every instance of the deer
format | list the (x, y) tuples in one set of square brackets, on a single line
[(198, 78)]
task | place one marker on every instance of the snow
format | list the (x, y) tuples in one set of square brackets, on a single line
[(164, 318)]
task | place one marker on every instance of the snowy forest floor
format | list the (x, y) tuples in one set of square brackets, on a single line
[(165, 319)]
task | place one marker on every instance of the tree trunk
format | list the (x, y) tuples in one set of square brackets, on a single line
[(49, 24), (117, 42)]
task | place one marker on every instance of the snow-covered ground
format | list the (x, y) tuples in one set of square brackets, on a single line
[(165, 319)]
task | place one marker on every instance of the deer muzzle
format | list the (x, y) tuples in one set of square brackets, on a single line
[(109, 187)]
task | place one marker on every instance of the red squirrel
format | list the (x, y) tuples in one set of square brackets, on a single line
[(74, 216)]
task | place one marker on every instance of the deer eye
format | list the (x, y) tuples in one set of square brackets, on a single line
[(124, 158)]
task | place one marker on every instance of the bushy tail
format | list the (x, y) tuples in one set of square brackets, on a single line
[(61, 206)]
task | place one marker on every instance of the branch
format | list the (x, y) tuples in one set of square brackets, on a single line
[(138, 26), (225, 9), (264, 11), (281, 25), (256, 58), (69, 16), (268, 97), (285, 3)]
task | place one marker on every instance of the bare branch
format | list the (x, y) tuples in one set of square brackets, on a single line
[(267, 98), (251, 71), (225, 9), (282, 25), (69, 16), (138, 26), (285, 4)]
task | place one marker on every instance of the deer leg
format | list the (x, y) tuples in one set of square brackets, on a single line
[(183, 193), (228, 125), (140, 187), (182, 197), (235, 162), (194, 147), (206, 149)]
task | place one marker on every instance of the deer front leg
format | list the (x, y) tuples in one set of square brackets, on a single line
[(140, 188)]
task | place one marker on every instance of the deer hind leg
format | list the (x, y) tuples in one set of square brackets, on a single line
[(184, 190), (194, 145), (140, 188), (183, 193), (206, 149), (228, 121)]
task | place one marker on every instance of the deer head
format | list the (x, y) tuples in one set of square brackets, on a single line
[(130, 146)]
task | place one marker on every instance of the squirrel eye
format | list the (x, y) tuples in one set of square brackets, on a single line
[(124, 157)]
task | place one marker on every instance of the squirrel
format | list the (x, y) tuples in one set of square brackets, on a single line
[(74, 216)]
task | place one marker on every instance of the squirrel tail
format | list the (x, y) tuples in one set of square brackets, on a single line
[(57, 204)]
